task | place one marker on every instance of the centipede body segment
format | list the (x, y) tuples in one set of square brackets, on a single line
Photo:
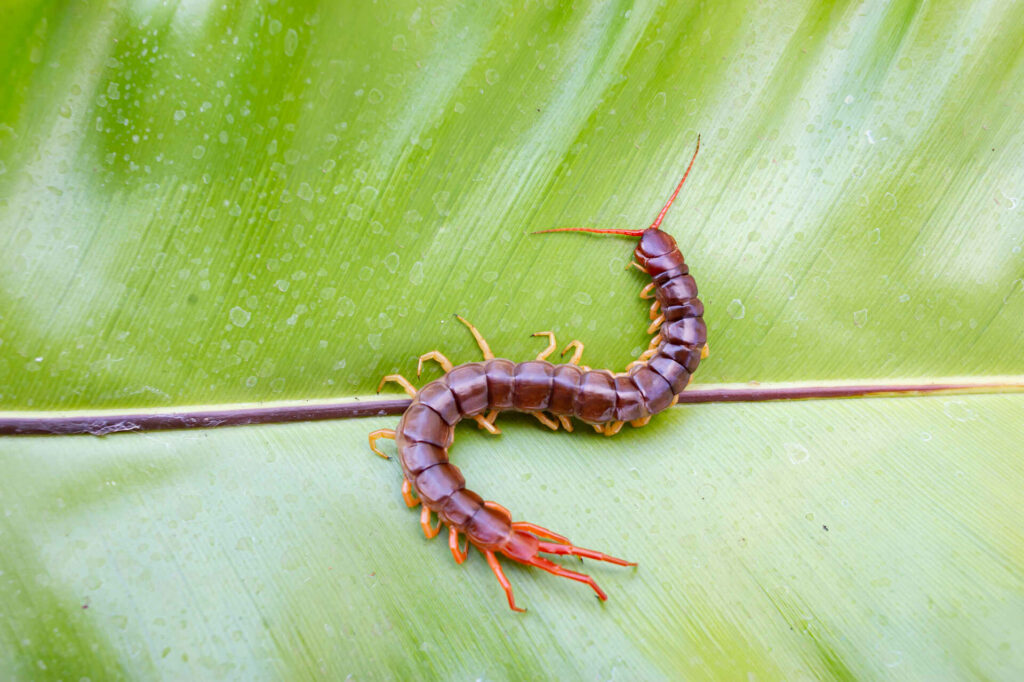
[(555, 394)]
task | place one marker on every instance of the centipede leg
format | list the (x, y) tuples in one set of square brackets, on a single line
[(487, 423), (401, 381), (505, 584), (647, 355), (377, 435), (646, 291), (429, 530), (550, 347), (654, 309), (438, 357), (657, 323), (410, 500), (540, 531), (484, 348), (577, 354), (570, 549), (453, 543), (705, 351), (642, 421), (562, 572), (545, 420), (566, 422), (613, 428), (636, 265)]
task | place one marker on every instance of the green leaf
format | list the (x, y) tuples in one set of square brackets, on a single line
[(204, 205)]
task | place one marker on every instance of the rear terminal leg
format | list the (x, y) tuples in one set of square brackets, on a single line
[(377, 435)]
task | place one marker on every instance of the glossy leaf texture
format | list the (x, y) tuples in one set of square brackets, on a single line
[(202, 204)]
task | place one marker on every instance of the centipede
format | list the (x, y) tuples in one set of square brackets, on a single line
[(556, 394)]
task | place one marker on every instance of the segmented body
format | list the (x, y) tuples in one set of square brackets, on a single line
[(597, 397)]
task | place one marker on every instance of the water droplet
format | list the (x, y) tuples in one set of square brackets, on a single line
[(583, 298), (736, 310), (355, 211), (305, 192), (416, 273), (860, 317), (239, 316), (391, 262), (179, 115), (198, 151), (797, 453), (491, 76), (291, 41)]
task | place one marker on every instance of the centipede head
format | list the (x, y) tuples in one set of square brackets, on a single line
[(653, 242)]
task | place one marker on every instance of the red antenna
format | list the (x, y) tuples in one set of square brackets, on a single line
[(635, 233)]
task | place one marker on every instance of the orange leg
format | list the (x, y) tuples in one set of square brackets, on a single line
[(550, 347), (378, 434), (407, 495), (562, 572), (613, 428), (491, 504), (705, 351), (635, 363), (540, 530), (657, 323), (401, 381), (566, 422), (429, 530), (642, 421), (438, 357), (636, 265), (545, 420), (572, 550), (487, 423), (647, 355), (505, 584), (654, 309), (646, 291), (453, 543), (484, 348), (577, 354)]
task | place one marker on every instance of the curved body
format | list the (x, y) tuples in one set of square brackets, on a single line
[(598, 397)]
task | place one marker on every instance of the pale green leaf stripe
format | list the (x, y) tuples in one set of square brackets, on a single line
[(286, 552)]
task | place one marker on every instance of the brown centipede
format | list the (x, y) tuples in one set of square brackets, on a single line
[(605, 400)]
